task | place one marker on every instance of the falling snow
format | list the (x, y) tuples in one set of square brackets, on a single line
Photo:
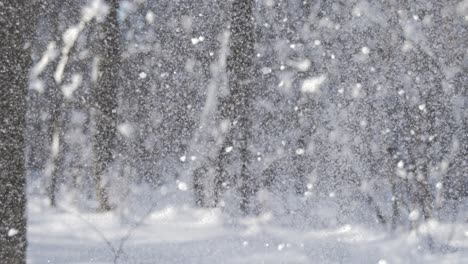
[(241, 131)]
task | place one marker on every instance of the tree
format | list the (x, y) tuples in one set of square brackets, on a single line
[(106, 101), (240, 67), (55, 126), (15, 60)]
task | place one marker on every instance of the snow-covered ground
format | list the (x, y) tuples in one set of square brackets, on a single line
[(170, 231)]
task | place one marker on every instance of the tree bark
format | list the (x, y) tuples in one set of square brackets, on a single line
[(55, 96), (240, 66), (17, 22), (106, 102)]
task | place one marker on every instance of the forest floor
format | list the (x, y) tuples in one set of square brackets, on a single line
[(171, 231)]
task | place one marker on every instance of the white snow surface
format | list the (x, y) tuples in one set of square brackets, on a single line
[(171, 231)]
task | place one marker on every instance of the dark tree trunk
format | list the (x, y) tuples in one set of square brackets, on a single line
[(198, 186), (16, 20), (106, 101), (240, 68), (222, 177), (299, 166), (55, 96)]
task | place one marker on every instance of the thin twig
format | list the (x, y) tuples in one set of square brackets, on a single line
[(93, 227), (130, 232)]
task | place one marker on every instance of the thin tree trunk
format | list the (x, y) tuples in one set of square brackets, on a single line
[(299, 166), (106, 102), (240, 73), (221, 178), (55, 97), (395, 203), (17, 20), (198, 185)]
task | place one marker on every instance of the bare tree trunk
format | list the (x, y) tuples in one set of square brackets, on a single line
[(17, 20), (221, 178), (390, 162), (199, 186), (55, 97), (240, 67), (55, 135), (106, 102), (299, 166)]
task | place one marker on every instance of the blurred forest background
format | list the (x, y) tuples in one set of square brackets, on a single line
[(251, 106)]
